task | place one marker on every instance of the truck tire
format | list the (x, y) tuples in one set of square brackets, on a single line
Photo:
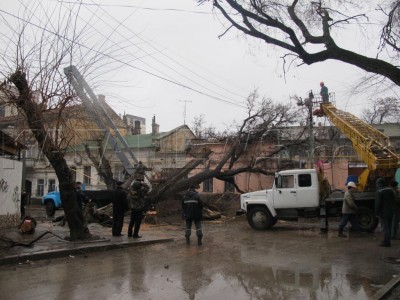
[(260, 218), (366, 219), (50, 208)]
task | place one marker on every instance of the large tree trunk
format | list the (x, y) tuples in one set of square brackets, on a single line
[(33, 113)]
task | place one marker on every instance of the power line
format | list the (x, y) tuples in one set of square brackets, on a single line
[(158, 51), (170, 58), (138, 7), (159, 61), (125, 63)]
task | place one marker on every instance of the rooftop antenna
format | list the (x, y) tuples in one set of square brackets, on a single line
[(184, 110)]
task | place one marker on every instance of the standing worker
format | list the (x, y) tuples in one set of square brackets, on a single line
[(81, 198), (349, 209), (120, 205), (396, 216), (384, 208), (138, 207), (192, 210), (324, 92)]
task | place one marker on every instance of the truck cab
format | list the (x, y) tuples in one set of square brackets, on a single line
[(294, 193)]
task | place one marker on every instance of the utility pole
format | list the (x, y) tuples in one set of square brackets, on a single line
[(308, 102), (311, 127), (184, 110)]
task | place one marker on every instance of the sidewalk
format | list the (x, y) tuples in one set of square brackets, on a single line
[(52, 244)]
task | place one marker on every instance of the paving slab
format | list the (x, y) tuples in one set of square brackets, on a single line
[(51, 243)]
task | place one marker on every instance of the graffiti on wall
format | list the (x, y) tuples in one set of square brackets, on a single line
[(3, 186), (15, 197)]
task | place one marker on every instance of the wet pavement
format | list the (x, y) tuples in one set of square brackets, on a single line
[(51, 240), (291, 261)]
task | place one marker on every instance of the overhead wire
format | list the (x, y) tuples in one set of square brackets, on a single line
[(167, 56), (170, 58), (139, 7), (135, 34), (91, 49)]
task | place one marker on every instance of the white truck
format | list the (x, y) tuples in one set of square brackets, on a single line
[(296, 193)]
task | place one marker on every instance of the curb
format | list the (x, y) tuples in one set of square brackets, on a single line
[(387, 288), (82, 250)]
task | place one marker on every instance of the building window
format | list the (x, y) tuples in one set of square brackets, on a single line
[(229, 187), (52, 185), (208, 185), (86, 175), (40, 187)]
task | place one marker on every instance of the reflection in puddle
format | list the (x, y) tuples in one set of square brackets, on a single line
[(284, 284)]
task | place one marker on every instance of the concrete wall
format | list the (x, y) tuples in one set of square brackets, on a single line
[(10, 192)]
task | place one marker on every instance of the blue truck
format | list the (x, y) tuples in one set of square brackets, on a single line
[(52, 201)]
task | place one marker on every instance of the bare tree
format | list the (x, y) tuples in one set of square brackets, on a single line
[(390, 33), (382, 110), (264, 119), (33, 53), (101, 163), (305, 30)]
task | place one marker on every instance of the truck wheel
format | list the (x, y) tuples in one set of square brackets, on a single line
[(260, 218), (366, 219), (50, 208)]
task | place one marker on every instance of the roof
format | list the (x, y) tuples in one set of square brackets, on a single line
[(8, 145), (297, 171), (138, 141), (144, 140)]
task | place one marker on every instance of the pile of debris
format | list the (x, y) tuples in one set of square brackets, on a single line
[(101, 215)]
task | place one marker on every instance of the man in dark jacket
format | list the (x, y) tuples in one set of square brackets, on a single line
[(384, 208), (81, 198), (120, 205), (138, 198), (192, 210), (396, 215)]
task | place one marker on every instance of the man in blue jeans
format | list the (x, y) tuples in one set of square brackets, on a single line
[(192, 211), (349, 209)]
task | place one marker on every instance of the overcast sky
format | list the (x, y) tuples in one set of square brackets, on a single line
[(167, 56)]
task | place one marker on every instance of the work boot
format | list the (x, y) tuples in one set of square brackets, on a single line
[(340, 234), (199, 240), (187, 240)]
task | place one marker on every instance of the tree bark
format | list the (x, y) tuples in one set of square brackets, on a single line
[(33, 114), (258, 17)]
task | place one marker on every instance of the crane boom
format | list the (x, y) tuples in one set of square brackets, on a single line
[(101, 117), (372, 145)]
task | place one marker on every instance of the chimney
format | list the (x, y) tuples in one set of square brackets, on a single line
[(154, 126), (136, 129)]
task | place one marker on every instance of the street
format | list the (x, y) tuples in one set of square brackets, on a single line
[(291, 261)]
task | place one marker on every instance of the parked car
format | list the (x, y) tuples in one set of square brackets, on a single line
[(52, 201)]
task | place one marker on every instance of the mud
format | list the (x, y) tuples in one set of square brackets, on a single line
[(291, 261)]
